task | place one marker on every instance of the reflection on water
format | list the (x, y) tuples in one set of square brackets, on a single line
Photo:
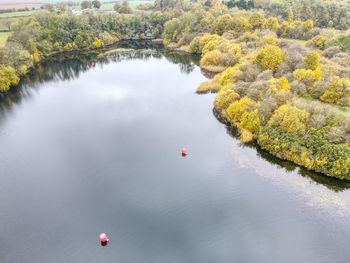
[(333, 184)]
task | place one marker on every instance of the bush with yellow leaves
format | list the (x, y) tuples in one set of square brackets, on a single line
[(225, 97), (289, 118), (269, 57), (337, 92)]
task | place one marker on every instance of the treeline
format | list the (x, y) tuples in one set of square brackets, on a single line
[(45, 33), (323, 13)]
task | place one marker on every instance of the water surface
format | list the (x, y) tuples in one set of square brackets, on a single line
[(86, 150)]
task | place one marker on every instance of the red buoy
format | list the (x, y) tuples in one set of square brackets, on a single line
[(184, 152), (93, 64), (103, 238)]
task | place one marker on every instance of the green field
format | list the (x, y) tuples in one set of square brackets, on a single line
[(18, 14), (3, 38)]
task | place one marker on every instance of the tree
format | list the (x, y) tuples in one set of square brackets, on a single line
[(96, 4), (269, 57), (123, 8), (85, 4)]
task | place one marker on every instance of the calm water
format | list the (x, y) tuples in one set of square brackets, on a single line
[(88, 150)]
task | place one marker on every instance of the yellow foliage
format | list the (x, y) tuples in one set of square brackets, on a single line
[(230, 75), (68, 47), (245, 135), (308, 25), (251, 121), (307, 76), (319, 41), (211, 85), (241, 24), (269, 57), (210, 46), (284, 84), (257, 20), (8, 77), (271, 23), (224, 98), (311, 60), (97, 43), (36, 55), (211, 58), (289, 118), (236, 109), (205, 39), (338, 92), (284, 28), (268, 40)]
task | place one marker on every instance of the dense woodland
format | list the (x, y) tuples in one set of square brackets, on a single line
[(282, 67)]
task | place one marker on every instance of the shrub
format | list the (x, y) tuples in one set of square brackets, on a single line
[(224, 98), (8, 78), (312, 60), (229, 76), (271, 23), (236, 109), (257, 20), (337, 90), (194, 46), (211, 58), (319, 41), (289, 118), (269, 57)]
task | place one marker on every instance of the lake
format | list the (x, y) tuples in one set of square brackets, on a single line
[(86, 150)]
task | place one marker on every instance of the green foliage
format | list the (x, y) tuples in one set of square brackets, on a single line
[(269, 57), (194, 46), (312, 150)]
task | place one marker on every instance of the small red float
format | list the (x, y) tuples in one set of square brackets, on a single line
[(104, 238), (184, 152), (93, 64)]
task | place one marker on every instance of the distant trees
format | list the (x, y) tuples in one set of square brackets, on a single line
[(96, 4), (123, 8), (86, 4)]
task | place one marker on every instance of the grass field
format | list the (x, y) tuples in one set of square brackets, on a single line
[(18, 14), (3, 38)]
